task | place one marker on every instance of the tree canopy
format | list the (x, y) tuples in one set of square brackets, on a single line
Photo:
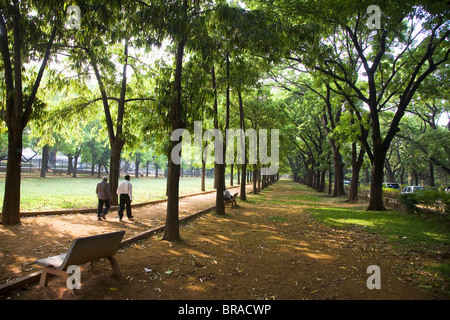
[(345, 89)]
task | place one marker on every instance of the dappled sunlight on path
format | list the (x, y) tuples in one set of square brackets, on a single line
[(46, 235), (268, 247)]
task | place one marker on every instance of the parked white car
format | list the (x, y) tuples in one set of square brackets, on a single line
[(411, 189)]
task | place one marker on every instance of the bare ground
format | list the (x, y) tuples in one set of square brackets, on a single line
[(254, 252)]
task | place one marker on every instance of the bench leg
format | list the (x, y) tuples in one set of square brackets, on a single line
[(45, 277), (114, 266)]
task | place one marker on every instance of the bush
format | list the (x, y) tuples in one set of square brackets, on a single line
[(409, 202), (436, 200), (390, 193)]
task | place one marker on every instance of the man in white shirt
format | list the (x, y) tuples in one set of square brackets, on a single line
[(125, 197)]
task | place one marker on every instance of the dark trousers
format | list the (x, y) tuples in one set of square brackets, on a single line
[(102, 202), (124, 200)]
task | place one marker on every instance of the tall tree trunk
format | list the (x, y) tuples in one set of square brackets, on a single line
[(259, 179), (357, 161), (321, 183), (17, 111), (115, 138), (203, 188), (255, 172), (243, 195), (231, 174), (114, 168), (136, 168), (338, 164), (11, 200), (75, 164), (330, 175), (69, 164), (376, 183), (389, 172), (219, 168), (44, 161), (238, 175), (172, 227)]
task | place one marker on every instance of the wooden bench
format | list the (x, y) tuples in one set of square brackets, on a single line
[(232, 200), (81, 251)]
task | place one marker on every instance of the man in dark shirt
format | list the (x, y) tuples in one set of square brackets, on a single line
[(104, 198)]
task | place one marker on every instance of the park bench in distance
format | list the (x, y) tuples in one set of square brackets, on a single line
[(81, 251), (232, 200)]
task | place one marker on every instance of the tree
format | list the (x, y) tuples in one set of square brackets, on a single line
[(177, 21), (249, 40), (103, 47), (411, 44), (21, 37)]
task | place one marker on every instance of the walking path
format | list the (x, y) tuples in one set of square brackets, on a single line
[(46, 235), (264, 249)]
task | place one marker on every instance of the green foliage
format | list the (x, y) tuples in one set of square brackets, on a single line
[(436, 200), (391, 193), (413, 231), (409, 202)]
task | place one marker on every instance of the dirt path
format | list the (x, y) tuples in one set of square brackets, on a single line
[(255, 252), (43, 236)]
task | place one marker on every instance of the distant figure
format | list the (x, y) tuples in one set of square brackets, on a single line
[(104, 198), (227, 195), (125, 197), (448, 189)]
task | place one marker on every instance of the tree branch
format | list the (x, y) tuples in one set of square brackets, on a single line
[(31, 98)]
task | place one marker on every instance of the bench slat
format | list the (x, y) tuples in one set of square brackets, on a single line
[(51, 262), (81, 251), (84, 250), (88, 249)]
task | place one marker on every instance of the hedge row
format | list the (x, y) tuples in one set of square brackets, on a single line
[(435, 200)]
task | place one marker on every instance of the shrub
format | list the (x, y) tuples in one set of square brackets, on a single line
[(436, 200), (390, 193), (409, 202)]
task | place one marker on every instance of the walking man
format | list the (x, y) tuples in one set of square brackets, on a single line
[(104, 197), (125, 197)]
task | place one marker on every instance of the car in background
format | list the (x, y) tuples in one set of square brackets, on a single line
[(391, 185), (411, 189)]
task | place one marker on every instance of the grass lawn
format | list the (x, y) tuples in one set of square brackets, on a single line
[(427, 234), (420, 234), (52, 193), (396, 226)]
